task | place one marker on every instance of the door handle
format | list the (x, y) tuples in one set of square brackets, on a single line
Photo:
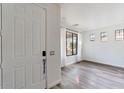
[(44, 71), (44, 66)]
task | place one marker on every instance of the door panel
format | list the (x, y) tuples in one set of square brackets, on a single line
[(23, 40), (20, 77), (36, 38), (19, 37)]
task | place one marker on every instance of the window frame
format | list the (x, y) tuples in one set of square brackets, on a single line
[(72, 43), (103, 39), (92, 38), (117, 39)]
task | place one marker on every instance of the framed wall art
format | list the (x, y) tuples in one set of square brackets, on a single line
[(103, 36), (92, 37), (119, 34)]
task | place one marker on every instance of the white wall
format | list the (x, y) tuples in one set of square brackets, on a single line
[(53, 43), (110, 52), (66, 60)]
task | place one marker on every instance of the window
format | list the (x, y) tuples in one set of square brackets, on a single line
[(119, 34), (92, 37), (103, 36), (71, 43)]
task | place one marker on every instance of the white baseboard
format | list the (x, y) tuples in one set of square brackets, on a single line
[(104, 63), (54, 83)]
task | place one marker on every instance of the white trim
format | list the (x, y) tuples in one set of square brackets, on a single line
[(54, 83), (103, 62)]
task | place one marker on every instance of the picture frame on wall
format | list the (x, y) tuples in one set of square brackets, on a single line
[(103, 36), (92, 37), (119, 34)]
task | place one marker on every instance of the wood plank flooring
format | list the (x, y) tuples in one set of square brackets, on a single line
[(88, 75)]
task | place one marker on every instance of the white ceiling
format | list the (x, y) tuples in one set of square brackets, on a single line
[(92, 16)]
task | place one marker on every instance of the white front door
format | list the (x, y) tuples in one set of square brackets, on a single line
[(23, 40)]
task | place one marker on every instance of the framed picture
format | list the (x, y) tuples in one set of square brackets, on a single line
[(92, 37), (119, 34), (103, 36)]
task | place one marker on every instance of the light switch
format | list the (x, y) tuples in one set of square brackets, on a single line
[(52, 53)]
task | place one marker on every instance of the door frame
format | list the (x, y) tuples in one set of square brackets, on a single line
[(1, 60)]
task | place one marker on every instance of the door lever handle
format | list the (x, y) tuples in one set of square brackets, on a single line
[(44, 66)]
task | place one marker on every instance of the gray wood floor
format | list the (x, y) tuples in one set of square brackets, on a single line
[(88, 75)]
